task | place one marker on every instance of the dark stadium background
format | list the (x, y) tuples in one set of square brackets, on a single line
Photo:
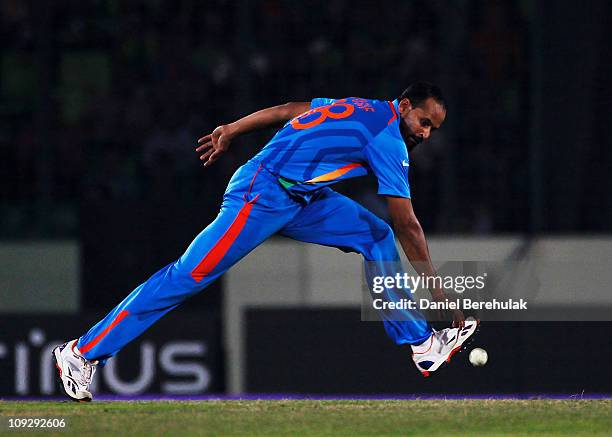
[(102, 102)]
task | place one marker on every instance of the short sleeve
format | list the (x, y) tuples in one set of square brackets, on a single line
[(320, 101), (388, 158)]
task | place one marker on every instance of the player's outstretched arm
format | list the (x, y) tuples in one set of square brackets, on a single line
[(412, 238), (213, 145)]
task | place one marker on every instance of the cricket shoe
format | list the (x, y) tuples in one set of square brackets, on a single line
[(441, 346), (75, 371)]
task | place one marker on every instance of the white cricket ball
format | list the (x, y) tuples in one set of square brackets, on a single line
[(478, 357)]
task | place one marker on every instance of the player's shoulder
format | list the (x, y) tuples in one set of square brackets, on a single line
[(369, 115), (376, 114), (370, 105)]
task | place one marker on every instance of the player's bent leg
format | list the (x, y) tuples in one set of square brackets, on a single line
[(430, 348), (332, 219)]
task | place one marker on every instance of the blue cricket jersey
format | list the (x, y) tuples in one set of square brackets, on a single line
[(337, 140)]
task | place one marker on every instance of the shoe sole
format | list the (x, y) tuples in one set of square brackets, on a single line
[(61, 382), (463, 346)]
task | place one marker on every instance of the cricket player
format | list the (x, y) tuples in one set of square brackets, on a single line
[(286, 189)]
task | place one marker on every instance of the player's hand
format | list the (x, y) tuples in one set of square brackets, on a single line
[(457, 315), (215, 144), (458, 319)]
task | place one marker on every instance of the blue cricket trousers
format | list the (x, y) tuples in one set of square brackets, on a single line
[(255, 206)]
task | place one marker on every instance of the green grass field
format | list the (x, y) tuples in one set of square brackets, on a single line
[(322, 418)]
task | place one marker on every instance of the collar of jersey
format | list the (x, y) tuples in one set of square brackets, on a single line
[(396, 122), (396, 106)]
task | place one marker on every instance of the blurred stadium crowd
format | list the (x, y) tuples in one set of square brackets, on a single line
[(104, 100)]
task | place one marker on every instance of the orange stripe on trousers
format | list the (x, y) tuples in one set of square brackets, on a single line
[(100, 336), (216, 254)]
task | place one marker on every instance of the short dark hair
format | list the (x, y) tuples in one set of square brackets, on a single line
[(418, 92)]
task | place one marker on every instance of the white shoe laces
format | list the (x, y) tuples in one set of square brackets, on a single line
[(88, 369), (445, 334)]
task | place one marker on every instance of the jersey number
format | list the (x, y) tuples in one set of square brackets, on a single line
[(323, 113)]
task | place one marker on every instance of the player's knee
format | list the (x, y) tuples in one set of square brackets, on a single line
[(383, 245)]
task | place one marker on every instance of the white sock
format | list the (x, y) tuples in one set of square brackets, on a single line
[(423, 347)]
